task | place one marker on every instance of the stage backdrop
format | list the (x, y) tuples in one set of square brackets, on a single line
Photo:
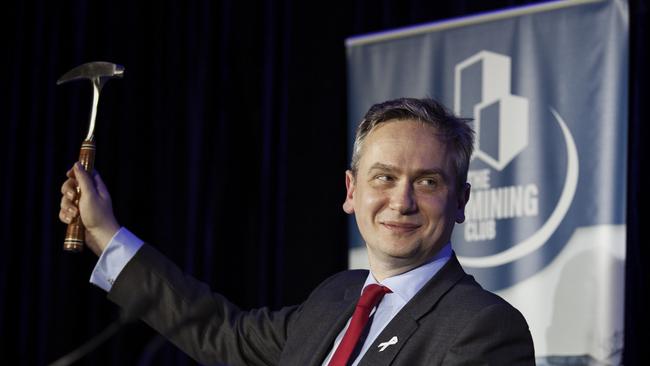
[(547, 88)]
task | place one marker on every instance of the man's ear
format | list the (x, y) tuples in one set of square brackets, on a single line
[(463, 197), (348, 205)]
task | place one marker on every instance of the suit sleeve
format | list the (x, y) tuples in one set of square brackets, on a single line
[(203, 324), (497, 335)]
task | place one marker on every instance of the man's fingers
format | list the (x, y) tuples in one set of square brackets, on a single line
[(64, 217), (68, 210), (84, 180), (68, 207), (69, 188)]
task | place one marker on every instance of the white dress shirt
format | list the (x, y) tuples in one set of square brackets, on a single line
[(116, 255)]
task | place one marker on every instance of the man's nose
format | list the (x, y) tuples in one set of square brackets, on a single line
[(403, 199)]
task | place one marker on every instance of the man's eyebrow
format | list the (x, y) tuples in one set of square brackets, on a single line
[(420, 172), (434, 171), (382, 166)]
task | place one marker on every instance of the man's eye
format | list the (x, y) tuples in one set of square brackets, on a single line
[(384, 178), (429, 182)]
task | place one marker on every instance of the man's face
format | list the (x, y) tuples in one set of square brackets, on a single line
[(404, 196)]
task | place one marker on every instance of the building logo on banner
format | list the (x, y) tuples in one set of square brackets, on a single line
[(512, 212)]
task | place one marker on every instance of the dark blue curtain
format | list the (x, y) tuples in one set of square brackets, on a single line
[(224, 145)]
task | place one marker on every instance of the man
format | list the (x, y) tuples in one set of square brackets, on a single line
[(407, 188)]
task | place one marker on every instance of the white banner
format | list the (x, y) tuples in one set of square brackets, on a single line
[(547, 88)]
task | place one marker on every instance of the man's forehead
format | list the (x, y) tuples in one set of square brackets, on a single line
[(405, 144), (416, 132)]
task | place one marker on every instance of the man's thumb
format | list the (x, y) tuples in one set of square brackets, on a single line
[(84, 180)]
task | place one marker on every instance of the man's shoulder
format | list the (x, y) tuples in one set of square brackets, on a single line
[(475, 296), (341, 284), (464, 304), (351, 275), (464, 293)]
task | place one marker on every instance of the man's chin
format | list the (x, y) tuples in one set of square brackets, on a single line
[(400, 256)]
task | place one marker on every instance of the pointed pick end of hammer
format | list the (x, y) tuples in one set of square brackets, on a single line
[(92, 70)]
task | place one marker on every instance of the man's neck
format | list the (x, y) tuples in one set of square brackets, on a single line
[(390, 267), (381, 271)]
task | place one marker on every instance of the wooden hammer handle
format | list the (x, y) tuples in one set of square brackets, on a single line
[(75, 233)]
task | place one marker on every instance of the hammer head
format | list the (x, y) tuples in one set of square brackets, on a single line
[(97, 72)]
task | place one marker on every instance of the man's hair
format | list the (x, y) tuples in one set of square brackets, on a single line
[(454, 131)]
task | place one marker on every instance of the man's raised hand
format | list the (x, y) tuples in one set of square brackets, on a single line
[(94, 206)]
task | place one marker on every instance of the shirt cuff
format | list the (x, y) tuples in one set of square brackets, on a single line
[(116, 255)]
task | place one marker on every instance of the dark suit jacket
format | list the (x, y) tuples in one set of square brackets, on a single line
[(451, 321)]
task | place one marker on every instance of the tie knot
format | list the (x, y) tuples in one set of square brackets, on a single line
[(372, 294)]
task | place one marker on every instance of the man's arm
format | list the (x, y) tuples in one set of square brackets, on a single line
[(203, 324), (147, 285)]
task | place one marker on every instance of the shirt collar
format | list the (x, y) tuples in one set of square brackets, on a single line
[(407, 284)]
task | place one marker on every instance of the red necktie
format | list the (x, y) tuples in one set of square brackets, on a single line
[(370, 297)]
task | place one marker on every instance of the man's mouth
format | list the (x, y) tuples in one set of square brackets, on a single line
[(400, 227)]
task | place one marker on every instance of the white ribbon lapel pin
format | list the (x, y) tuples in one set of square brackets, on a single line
[(383, 346)]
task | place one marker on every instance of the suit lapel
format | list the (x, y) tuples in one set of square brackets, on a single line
[(405, 323), (390, 341), (336, 314)]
